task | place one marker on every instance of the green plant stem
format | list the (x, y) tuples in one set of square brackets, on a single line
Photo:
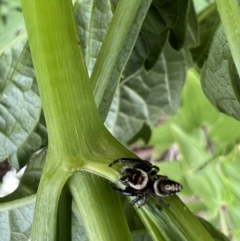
[(116, 49), (230, 17), (61, 74), (45, 216), (96, 199), (7, 206), (173, 222), (153, 230), (76, 133)]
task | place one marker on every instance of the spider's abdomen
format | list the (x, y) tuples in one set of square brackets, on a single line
[(165, 187)]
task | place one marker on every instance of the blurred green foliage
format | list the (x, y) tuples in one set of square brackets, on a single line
[(11, 22), (208, 157)]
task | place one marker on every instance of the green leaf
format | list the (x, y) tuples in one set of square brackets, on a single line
[(200, 120), (175, 15), (194, 113), (229, 14), (192, 37), (203, 180), (22, 127), (213, 182), (78, 230), (218, 236), (144, 95), (219, 78), (195, 108), (229, 167), (16, 219), (214, 178), (141, 235), (144, 134), (92, 20), (208, 21), (225, 133), (11, 23), (161, 137), (154, 32)]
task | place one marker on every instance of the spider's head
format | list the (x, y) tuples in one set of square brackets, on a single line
[(165, 187)]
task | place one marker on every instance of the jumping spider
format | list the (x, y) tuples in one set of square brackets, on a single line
[(141, 180)]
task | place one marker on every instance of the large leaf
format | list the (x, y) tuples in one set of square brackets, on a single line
[(154, 32), (175, 15), (144, 95), (219, 80), (22, 128), (92, 19), (16, 219)]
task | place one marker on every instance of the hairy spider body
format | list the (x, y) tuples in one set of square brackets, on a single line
[(141, 180)]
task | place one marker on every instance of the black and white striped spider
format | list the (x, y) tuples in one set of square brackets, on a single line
[(141, 180)]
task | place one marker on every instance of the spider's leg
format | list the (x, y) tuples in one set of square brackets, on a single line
[(124, 180), (114, 162), (160, 177), (152, 170), (144, 165), (144, 200), (157, 198), (135, 200), (127, 191), (155, 170)]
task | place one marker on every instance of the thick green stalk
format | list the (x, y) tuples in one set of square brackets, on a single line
[(45, 214), (173, 222), (76, 133), (116, 49), (107, 224), (61, 74), (230, 17)]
